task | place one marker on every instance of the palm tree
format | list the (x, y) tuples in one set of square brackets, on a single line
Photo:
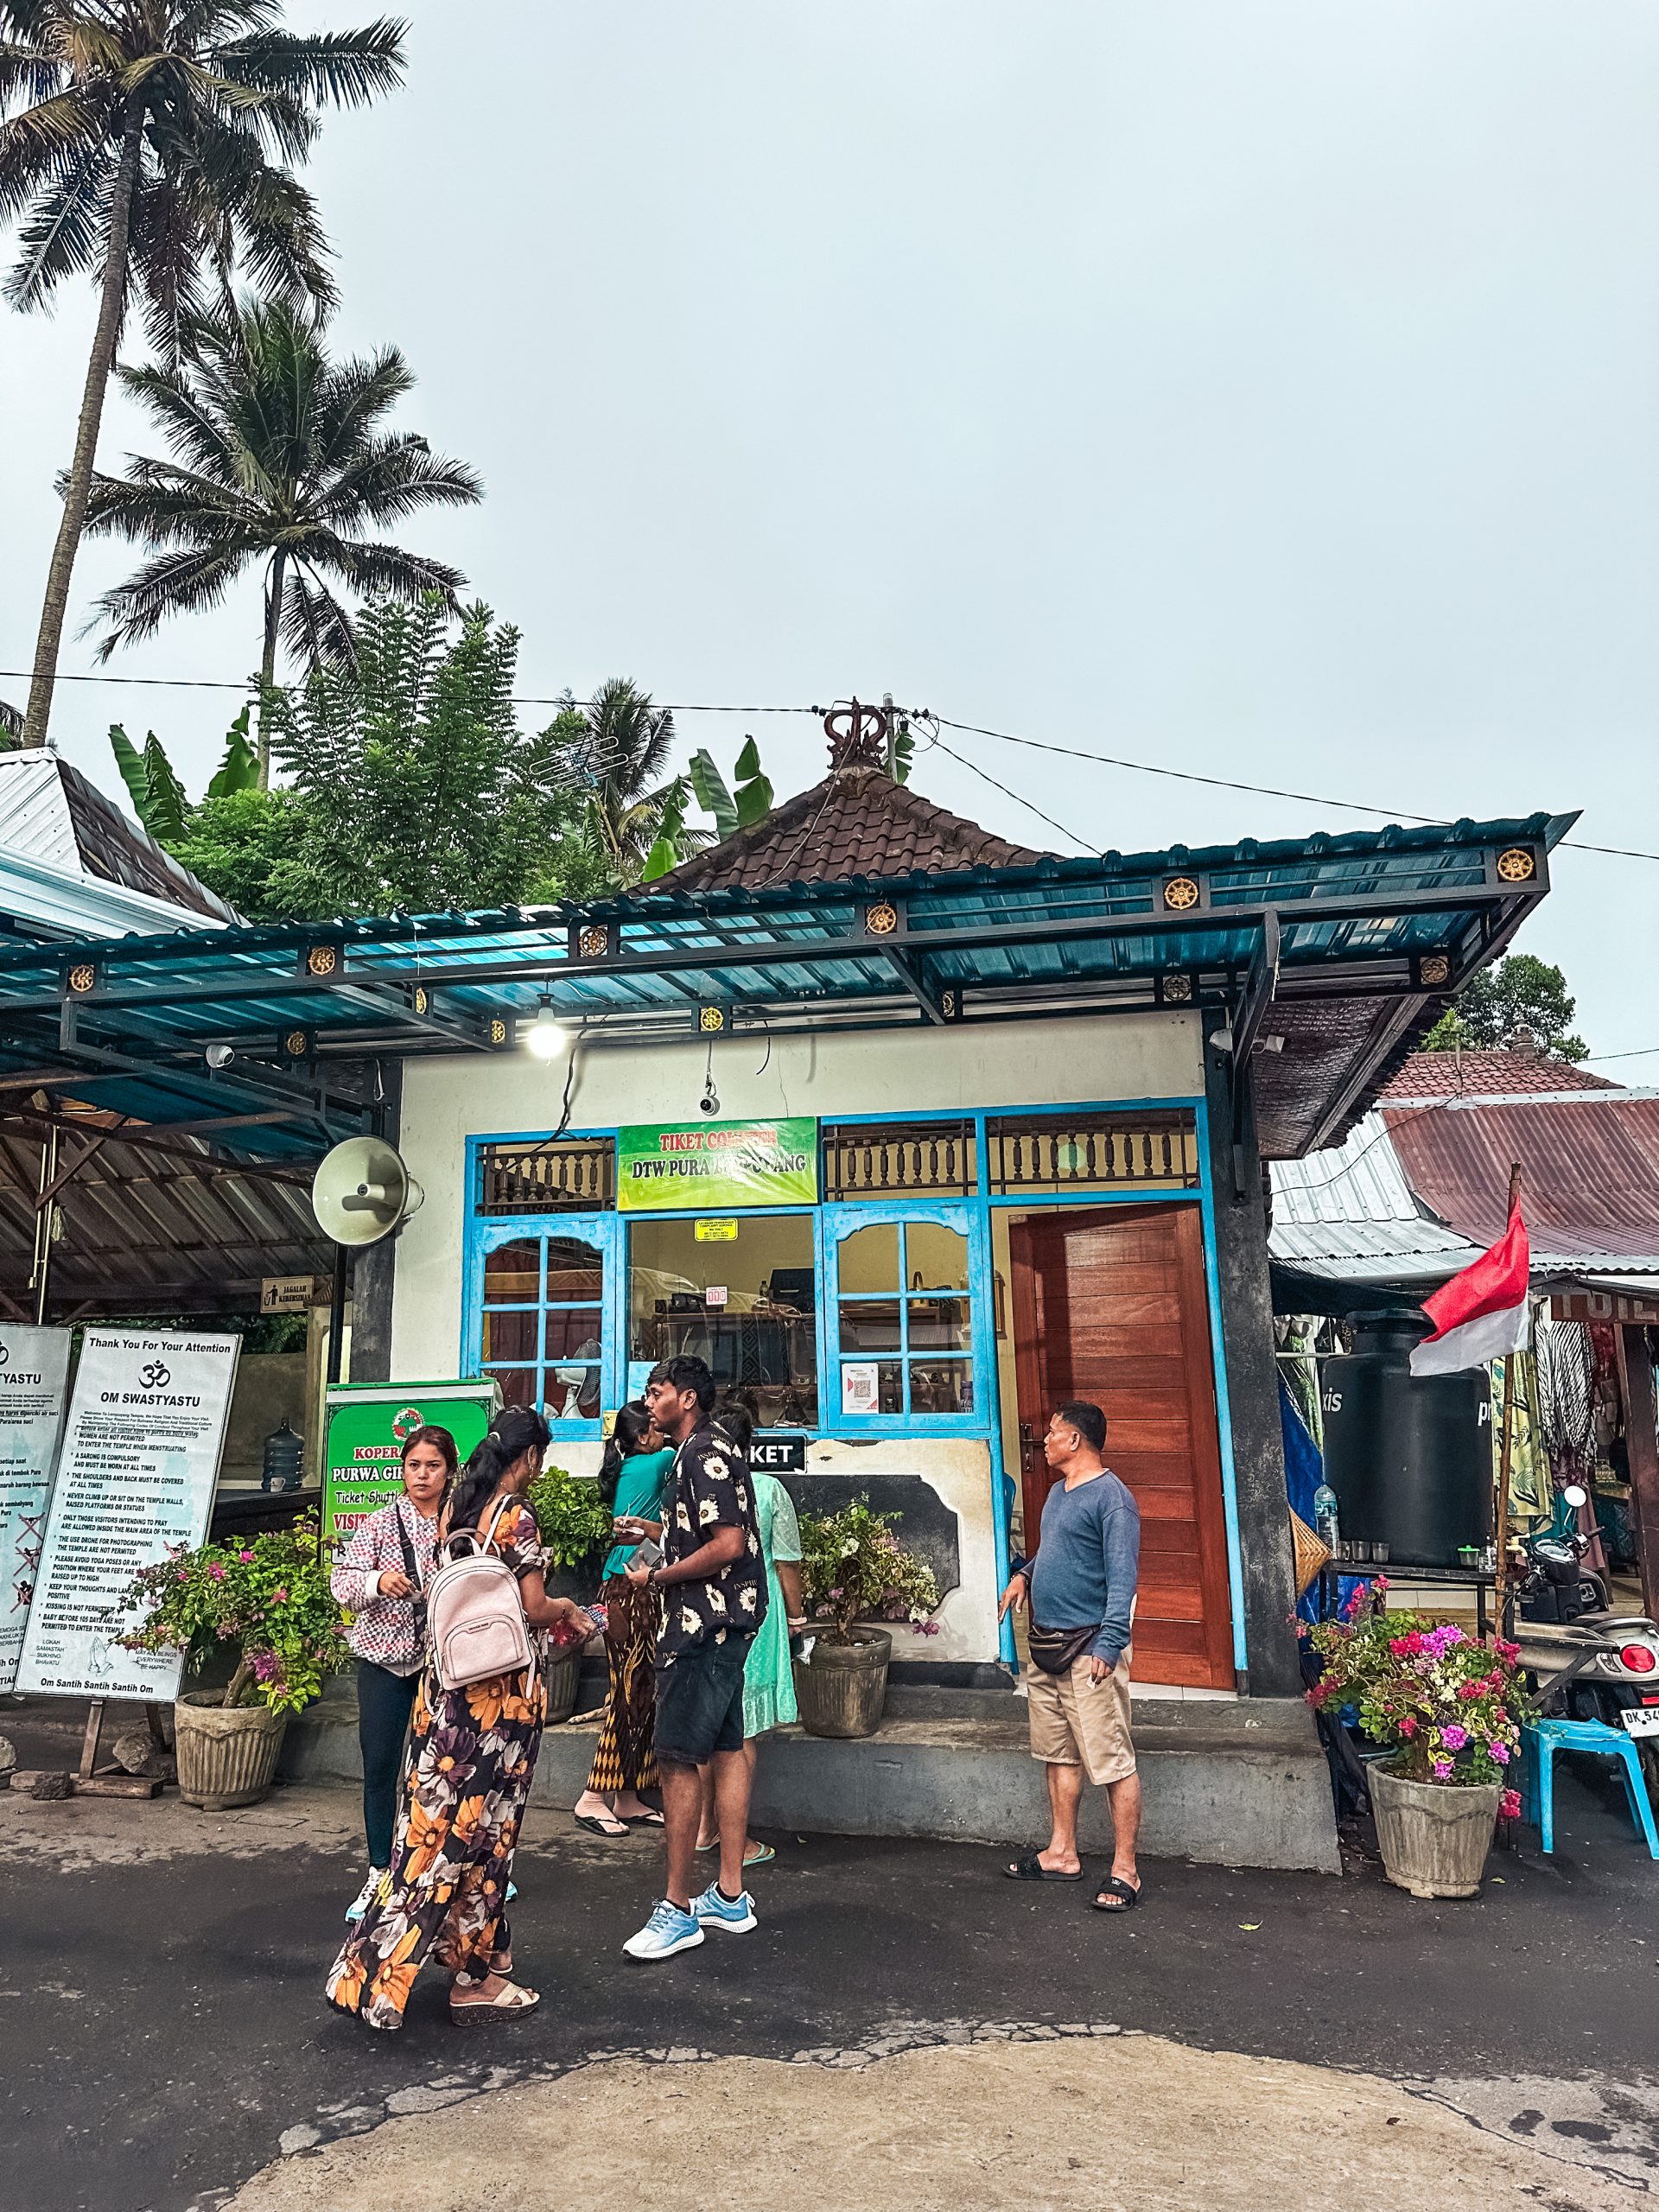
[(280, 459), (620, 749), (146, 143)]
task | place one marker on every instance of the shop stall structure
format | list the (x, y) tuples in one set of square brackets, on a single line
[(912, 1134)]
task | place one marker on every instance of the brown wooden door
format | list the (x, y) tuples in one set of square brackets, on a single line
[(1109, 1305)]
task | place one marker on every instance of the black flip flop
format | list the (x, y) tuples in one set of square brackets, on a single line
[(594, 1826), (1032, 1869), (1112, 1887)]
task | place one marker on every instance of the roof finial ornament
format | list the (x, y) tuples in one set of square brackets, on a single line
[(857, 734)]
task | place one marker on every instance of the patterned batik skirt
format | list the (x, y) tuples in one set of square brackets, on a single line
[(472, 1756), (625, 1758)]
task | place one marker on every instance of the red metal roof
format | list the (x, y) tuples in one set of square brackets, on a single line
[(1589, 1170), (1480, 1075)]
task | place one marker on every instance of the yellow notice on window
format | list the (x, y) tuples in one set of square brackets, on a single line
[(716, 1232)]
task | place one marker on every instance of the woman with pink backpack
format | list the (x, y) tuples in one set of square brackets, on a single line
[(473, 1738)]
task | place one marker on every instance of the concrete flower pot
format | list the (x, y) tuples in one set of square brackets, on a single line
[(227, 1754), (1433, 1836), (842, 1690)]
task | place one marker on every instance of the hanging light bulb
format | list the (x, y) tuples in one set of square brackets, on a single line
[(547, 1034)]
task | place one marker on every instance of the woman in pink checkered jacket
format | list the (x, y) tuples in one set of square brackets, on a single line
[(371, 1580)]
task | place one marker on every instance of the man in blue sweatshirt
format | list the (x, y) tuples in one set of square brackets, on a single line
[(1080, 1586)]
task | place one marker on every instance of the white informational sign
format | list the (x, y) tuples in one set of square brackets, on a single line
[(34, 1379), (859, 1381), (137, 1473)]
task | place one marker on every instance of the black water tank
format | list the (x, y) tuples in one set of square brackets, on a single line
[(1409, 1457)]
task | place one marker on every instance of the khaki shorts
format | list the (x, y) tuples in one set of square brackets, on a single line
[(1076, 1721)]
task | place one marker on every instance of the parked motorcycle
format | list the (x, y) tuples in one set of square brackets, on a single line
[(1557, 1584), (1600, 1666)]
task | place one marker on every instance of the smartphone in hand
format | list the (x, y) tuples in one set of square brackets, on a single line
[(647, 1553)]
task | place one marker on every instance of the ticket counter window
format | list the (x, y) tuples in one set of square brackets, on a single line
[(740, 1293), (543, 1324), (904, 1320)]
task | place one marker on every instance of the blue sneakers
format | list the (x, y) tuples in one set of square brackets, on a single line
[(712, 1910), (668, 1931)]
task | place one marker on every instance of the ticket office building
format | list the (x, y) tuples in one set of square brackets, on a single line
[(1018, 1106), (966, 1253)]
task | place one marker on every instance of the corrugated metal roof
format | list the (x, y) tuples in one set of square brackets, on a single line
[(1355, 917), (155, 1228), (1349, 1212), (43, 901), (34, 823), (1414, 1196), (1589, 1172), (59, 833)]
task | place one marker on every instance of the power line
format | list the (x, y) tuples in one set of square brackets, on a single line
[(1008, 791), (251, 683), (944, 722), (1231, 784)]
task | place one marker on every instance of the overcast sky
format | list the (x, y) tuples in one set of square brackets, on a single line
[(1270, 391)]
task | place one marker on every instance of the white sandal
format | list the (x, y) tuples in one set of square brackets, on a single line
[(513, 1997)]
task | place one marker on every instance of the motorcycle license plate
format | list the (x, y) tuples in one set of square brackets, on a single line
[(1641, 1719)]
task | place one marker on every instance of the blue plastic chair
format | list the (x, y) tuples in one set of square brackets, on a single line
[(1544, 1738)]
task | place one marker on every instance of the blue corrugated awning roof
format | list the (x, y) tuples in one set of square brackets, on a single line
[(1356, 913)]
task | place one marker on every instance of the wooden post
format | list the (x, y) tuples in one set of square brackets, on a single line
[(1501, 1514), (89, 1744), (1635, 1383)]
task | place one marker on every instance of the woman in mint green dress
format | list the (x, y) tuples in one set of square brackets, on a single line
[(768, 1672)]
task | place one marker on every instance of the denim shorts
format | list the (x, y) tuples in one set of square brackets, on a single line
[(700, 1702)]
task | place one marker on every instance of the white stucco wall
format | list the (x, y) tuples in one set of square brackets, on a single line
[(998, 1066)]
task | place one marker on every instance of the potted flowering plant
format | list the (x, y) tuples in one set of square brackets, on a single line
[(269, 1602), (1450, 1708), (854, 1571)]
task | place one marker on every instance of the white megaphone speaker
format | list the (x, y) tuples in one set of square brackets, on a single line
[(363, 1191)]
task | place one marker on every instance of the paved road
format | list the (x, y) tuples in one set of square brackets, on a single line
[(162, 2035)]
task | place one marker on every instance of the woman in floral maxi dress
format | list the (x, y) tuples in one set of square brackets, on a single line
[(471, 1758)]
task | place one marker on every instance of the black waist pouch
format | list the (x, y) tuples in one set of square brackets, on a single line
[(1057, 1651)]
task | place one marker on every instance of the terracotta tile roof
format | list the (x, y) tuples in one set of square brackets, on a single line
[(1489, 1074), (857, 824)]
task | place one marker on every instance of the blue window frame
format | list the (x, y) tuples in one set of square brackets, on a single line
[(541, 1298), (907, 1333)]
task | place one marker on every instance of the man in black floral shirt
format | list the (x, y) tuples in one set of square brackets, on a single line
[(712, 1581)]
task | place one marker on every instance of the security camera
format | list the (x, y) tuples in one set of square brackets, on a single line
[(219, 1056), (709, 1102)]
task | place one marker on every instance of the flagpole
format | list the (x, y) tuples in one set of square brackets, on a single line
[(1501, 1514)]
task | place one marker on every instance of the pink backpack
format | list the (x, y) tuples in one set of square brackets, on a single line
[(474, 1616)]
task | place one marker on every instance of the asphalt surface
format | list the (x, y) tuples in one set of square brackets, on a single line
[(163, 2034)]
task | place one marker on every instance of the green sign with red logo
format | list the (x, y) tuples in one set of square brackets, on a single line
[(712, 1167), (368, 1426)]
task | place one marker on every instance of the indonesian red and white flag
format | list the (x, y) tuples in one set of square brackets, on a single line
[(1482, 1313)]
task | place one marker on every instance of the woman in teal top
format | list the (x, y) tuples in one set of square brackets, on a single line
[(633, 1478), (769, 1670)]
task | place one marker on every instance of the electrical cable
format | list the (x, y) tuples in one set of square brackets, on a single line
[(1260, 790), (967, 730), (962, 759)]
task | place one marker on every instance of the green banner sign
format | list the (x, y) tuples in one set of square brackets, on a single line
[(702, 1165), (368, 1423)]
